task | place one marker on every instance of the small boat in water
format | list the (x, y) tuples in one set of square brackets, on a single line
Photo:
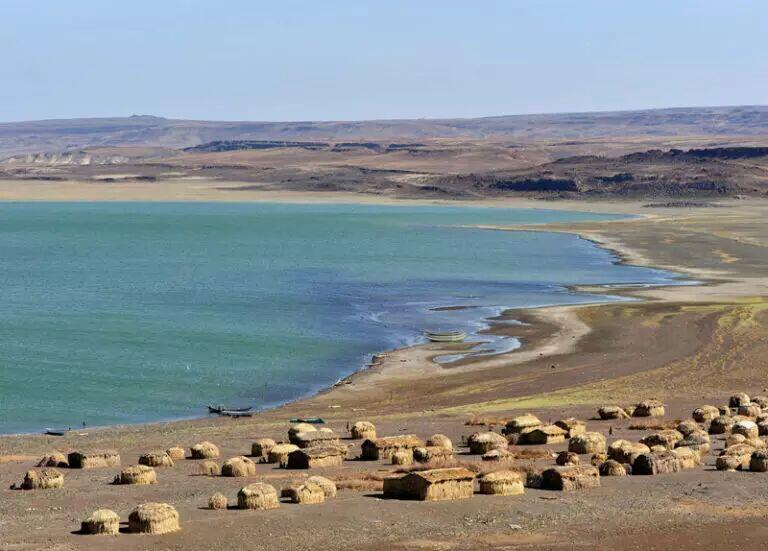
[(445, 336), (222, 409)]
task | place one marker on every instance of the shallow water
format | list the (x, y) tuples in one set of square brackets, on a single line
[(131, 312)]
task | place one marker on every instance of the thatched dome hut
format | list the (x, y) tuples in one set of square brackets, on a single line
[(612, 468), (521, 422), (567, 458), (204, 450), (665, 438), (597, 459), (363, 430), (101, 522), (747, 428), (545, 434), (750, 410), (761, 401), (385, 446), (156, 459), (261, 446), (498, 455), (299, 427), (318, 456), (571, 426), (136, 474), (209, 468), (93, 460), (502, 483), (316, 438), (572, 477), (280, 452), (687, 427), (688, 457), (432, 454), (218, 501), (625, 451), (721, 424), (649, 408), (45, 479), (656, 462), (612, 412), (758, 461), (53, 459), (734, 457), (308, 493), (483, 442), (258, 495), (328, 486), (698, 440), (440, 441), (238, 467), (176, 453), (705, 413), (739, 399), (154, 518), (403, 458), (589, 442)]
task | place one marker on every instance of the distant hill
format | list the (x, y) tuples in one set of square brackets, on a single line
[(72, 134)]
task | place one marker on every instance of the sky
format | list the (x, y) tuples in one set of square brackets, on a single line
[(359, 59)]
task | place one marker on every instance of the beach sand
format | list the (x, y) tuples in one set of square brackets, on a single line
[(686, 345)]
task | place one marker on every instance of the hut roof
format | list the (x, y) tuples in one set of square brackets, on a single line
[(549, 430), (442, 475), (318, 452), (402, 441)]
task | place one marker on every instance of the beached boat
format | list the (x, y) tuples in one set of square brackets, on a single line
[(236, 413), (310, 420), (445, 336), (57, 432), (221, 409)]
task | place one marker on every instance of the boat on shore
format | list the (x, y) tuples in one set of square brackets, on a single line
[(445, 336), (221, 410), (57, 432)]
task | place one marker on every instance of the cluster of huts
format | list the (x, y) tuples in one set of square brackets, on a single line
[(428, 470)]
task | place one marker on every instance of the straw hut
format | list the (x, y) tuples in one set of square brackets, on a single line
[(154, 518), (567, 458), (209, 468), (762, 428), (156, 459), (431, 485), (238, 467), (308, 493), (758, 461), (93, 460), (739, 399), (257, 496), (761, 401), (589, 442), (45, 479), (705, 413), (721, 424), (597, 459), (328, 486), (664, 438), (572, 426), (403, 458), (698, 441), (384, 447), (299, 427), (136, 474), (319, 456), (750, 410), (687, 457), (279, 453), (625, 451), (518, 424), (176, 453), (53, 459), (569, 478), (363, 430), (661, 462), (734, 439), (498, 455), (611, 412), (502, 483), (648, 408), (735, 457), (547, 434), (261, 446), (687, 427), (440, 440), (204, 450), (218, 501), (612, 468), (101, 522), (433, 454), (747, 428), (483, 442), (315, 438)]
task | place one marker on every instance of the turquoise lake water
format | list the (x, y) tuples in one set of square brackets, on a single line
[(132, 312)]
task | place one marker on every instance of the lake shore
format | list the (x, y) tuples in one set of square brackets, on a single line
[(686, 345)]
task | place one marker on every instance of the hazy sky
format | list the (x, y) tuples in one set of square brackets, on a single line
[(286, 60)]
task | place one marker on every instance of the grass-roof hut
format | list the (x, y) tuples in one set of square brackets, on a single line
[(154, 518), (502, 483), (299, 427), (218, 501), (318, 456), (258, 495), (547, 434), (588, 442), (136, 474), (705, 413), (665, 438), (612, 412), (53, 459), (572, 426), (279, 453), (649, 408), (483, 442), (521, 422), (431, 485), (625, 451), (328, 485), (209, 468), (612, 468), (101, 522), (261, 446), (569, 478), (238, 467), (441, 441), (156, 459), (315, 438), (653, 463), (176, 453), (308, 493), (432, 454), (45, 479), (384, 447), (738, 399), (363, 430), (204, 450), (94, 459)]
